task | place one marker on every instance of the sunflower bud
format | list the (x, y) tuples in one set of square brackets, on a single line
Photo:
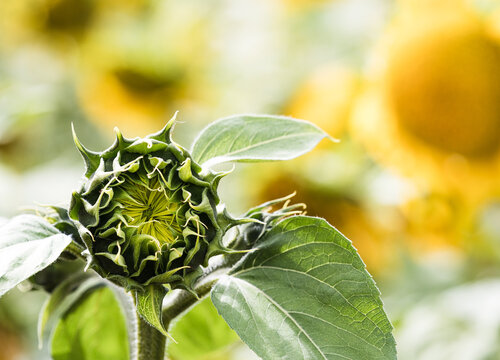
[(146, 212)]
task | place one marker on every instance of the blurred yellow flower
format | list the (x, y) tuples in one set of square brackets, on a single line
[(52, 22), (432, 107), (133, 98), (436, 222), (326, 98), (136, 72), (59, 24), (72, 16), (339, 200)]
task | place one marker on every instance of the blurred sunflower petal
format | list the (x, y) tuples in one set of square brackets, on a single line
[(432, 107)]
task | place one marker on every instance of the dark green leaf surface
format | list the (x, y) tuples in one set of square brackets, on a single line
[(28, 244), (305, 294), (94, 329), (149, 305), (201, 334), (255, 138)]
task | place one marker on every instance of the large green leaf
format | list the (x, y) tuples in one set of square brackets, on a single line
[(93, 329), (255, 138), (304, 293), (28, 244), (62, 298), (201, 334)]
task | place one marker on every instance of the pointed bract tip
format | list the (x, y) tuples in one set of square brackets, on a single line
[(165, 133), (75, 138), (77, 142), (91, 158), (119, 135)]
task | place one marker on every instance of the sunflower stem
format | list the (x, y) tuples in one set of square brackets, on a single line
[(179, 301), (150, 342), (76, 250)]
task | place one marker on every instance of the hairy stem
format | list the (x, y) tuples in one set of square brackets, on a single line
[(182, 300), (75, 250), (177, 302), (150, 342)]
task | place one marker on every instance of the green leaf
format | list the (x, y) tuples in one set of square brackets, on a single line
[(28, 244), (94, 329), (149, 305), (255, 138), (63, 297), (201, 334), (304, 293)]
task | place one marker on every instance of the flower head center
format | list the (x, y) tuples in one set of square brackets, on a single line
[(148, 214), (151, 209)]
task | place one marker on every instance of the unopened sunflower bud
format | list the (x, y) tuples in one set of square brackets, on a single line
[(147, 212)]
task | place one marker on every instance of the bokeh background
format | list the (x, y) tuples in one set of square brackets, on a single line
[(410, 87)]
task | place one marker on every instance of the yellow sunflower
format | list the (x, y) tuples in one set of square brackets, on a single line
[(133, 95), (332, 184), (60, 25), (136, 73), (326, 98), (436, 222), (431, 106), (52, 23)]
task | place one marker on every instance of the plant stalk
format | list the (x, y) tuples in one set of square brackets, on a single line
[(75, 250), (180, 301), (176, 303), (150, 342)]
